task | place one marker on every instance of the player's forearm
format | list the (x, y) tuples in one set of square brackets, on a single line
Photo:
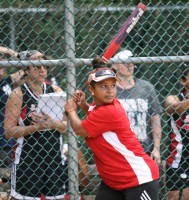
[(157, 134), (157, 140), (181, 107), (84, 106), (174, 105), (20, 131), (76, 124), (58, 125), (17, 76)]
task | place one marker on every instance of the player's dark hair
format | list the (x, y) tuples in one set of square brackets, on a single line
[(92, 83), (98, 63), (114, 70)]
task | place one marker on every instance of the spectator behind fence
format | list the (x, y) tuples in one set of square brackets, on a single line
[(127, 172), (177, 110), (38, 168), (7, 84), (141, 103)]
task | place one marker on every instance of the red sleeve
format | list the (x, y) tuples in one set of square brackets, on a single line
[(102, 119)]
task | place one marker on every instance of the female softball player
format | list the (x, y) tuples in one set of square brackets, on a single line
[(127, 172)]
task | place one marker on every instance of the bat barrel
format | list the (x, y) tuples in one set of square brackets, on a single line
[(142, 6), (124, 32)]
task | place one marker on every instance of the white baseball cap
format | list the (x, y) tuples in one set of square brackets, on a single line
[(124, 54)]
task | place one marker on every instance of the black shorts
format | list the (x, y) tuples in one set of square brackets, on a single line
[(39, 175), (148, 190), (174, 180)]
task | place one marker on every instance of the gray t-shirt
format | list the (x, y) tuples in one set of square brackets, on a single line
[(141, 103)]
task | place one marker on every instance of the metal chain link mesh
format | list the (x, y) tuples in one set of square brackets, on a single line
[(43, 26)]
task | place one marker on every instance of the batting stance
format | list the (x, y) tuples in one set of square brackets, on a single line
[(127, 172)]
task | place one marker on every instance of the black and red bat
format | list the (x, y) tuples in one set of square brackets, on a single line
[(124, 32)]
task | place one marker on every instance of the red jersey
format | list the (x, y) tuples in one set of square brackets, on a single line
[(119, 156)]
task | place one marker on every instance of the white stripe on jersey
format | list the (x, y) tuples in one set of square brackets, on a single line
[(18, 150), (179, 147), (142, 171)]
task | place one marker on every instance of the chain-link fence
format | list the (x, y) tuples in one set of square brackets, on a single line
[(71, 34)]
